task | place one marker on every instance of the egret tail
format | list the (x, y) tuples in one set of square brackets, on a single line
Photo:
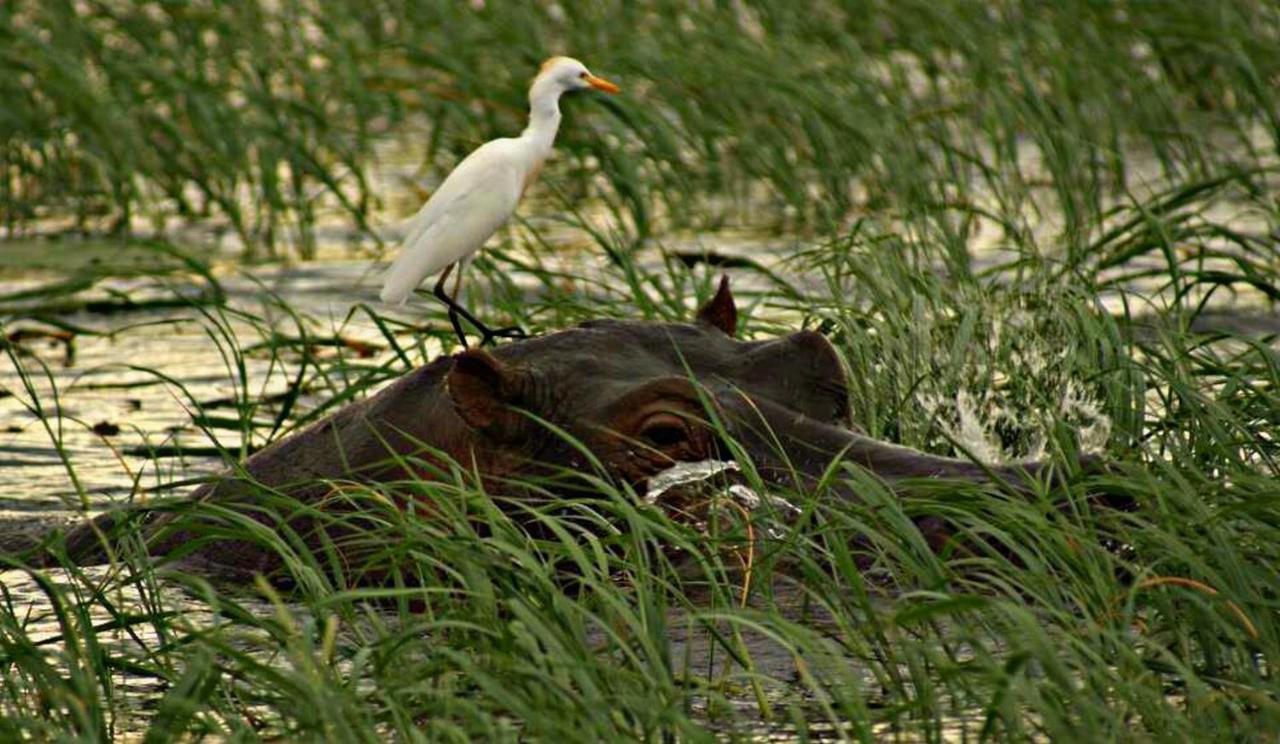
[(408, 271)]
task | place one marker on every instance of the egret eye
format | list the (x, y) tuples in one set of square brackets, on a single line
[(583, 74)]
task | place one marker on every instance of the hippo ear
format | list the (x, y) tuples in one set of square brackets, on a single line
[(483, 391), (721, 312)]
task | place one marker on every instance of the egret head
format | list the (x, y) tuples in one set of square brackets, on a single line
[(567, 73)]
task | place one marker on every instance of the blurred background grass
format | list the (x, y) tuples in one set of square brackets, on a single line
[(1054, 222), (733, 112)]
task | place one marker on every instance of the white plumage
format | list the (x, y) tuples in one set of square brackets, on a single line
[(472, 203), (482, 192)]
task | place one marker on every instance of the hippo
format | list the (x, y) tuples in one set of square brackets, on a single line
[(636, 396)]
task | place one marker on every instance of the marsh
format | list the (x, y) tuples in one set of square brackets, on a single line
[(1028, 232)]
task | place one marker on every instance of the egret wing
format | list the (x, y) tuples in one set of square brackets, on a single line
[(473, 202)]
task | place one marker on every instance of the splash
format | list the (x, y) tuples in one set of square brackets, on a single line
[(1093, 427), (974, 421), (973, 433)]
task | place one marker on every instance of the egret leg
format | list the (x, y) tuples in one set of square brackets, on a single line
[(454, 308), (450, 299), (488, 335)]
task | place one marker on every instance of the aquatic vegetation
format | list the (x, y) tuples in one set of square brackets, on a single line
[(1042, 227)]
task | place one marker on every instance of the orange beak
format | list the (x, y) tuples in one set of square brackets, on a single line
[(601, 84)]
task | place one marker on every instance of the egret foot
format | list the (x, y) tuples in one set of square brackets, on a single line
[(514, 332), (487, 334), (457, 312)]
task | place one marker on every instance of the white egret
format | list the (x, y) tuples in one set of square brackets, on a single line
[(481, 194)]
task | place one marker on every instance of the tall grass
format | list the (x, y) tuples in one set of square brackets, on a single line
[(261, 114), (1019, 224), (593, 616)]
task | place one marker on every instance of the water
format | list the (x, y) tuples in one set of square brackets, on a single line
[(110, 384)]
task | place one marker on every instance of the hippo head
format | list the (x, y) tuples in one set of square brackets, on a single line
[(639, 395)]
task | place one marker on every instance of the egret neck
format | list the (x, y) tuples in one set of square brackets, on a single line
[(544, 121)]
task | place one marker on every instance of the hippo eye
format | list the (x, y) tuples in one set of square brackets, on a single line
[(664, 430)]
